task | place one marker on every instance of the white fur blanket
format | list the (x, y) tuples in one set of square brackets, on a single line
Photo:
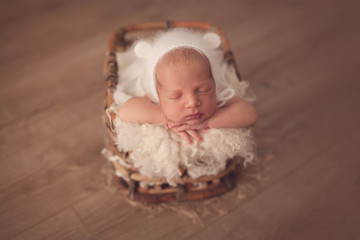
[(158, 152)]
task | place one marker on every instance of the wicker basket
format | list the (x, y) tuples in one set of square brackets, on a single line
[(130, 181)]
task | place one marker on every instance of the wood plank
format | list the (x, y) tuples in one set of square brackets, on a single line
[(55, 30), (39, 116), (65, 225), (66, 171), (113, 217), (33, 200), (53, 138), (37, 82)]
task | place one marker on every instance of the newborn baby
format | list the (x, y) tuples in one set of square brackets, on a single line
[(187, 90)]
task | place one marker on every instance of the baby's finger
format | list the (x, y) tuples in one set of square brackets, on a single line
[(182, 128), (195, 127), (205, 130), (187, 127), (172, 124), (195, 135), (186, 137)]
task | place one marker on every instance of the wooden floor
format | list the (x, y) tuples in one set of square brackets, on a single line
[(302, 58)]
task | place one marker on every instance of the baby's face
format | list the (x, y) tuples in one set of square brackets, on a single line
[(187, 91)]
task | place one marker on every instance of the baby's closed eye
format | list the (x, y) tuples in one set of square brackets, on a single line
[(203, 90), (175, 96)]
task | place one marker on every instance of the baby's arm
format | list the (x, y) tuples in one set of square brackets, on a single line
[(141, 110), (236, 113)]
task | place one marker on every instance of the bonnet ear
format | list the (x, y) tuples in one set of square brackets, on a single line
[(142, 49), (212, 40)]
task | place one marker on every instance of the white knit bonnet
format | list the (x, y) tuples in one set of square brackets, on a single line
[(206, 44)]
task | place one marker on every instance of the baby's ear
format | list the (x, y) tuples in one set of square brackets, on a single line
[(142, 49), (212, 40)]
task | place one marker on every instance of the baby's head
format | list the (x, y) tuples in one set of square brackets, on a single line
[(185, 86), (184, 59)]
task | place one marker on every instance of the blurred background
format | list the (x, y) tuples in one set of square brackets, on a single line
[(302, 60)]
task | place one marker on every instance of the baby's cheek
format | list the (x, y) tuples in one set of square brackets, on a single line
[(172, 113), (166, 109)]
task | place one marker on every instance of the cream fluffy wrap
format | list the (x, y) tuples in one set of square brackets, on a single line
[(157, 152)]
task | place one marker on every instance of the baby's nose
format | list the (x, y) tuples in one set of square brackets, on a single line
[(192, 101)]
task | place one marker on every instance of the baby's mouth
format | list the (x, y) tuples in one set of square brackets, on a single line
[(194, 116)]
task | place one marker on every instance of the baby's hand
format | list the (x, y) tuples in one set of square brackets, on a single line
[(189, 135), (187, 131), (186, 127)]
